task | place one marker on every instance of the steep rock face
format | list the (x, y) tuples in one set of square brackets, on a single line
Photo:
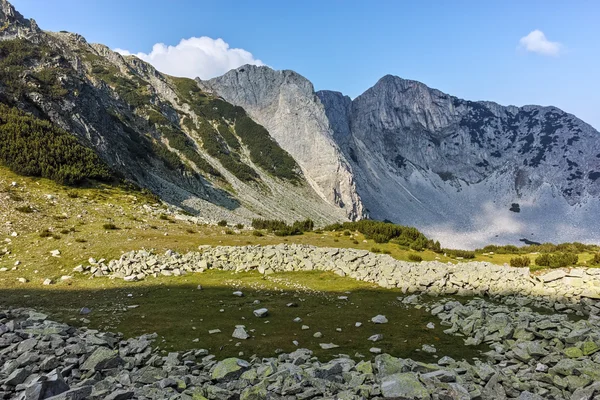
[(285, 103), (454, 168), (163, 133)]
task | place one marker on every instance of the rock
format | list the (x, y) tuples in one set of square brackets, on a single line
[(229, 369), (430, 325), (79, 393), (553, 275), (573, 352), (261, 312), (102, 358), (52, 384), (379, 319), (17, 377), (47, 282), (292, 305), (297, 319), (375, 350), (256, 392), (240, 332), (375, 338), (120, 395), (214, 331), (328, 346), (238, 294), (428, 349), (55, 253), (403, 386), (318, 335), (358, 324), (84, 311)]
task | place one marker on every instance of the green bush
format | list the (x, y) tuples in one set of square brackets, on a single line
[(25, 209), (222, 223), (239, 226), (257, 233), (415, 258), (467, 254), (229, 232), (33, 147), (110, 226), (384, 232), (596, 259), (520, 262), (280, 228), (558, 260)]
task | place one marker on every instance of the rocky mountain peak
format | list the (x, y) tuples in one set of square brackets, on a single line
[(13, 24)]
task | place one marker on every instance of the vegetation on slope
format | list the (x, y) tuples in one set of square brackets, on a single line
[(265, 152), (222, 142), (18, 56), (33, 147)]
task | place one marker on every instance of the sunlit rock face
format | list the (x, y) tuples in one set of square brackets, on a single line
[(466, 173)]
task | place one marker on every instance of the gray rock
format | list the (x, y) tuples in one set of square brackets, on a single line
[(261, 312), (379, 319), (403, 386)]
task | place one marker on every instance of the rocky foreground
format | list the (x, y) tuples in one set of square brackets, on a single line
[(531, 356), (572, 286)]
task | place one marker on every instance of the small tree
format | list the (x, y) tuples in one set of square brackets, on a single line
[(520, 262)]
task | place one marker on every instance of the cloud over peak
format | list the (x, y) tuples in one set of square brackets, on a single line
[(202, 57), (536, 42)]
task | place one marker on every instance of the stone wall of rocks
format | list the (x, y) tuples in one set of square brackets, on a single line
[(533, 356), (468, 278)]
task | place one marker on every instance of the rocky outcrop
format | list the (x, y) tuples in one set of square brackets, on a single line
[(468, 278), (455, 168), (285, 103)]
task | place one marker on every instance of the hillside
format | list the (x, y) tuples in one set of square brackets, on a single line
[(159, 132)]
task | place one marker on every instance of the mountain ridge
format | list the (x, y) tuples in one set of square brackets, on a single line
[(421, 157)]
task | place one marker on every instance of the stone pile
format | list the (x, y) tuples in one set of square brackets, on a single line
[(468, 278), (532, 357)]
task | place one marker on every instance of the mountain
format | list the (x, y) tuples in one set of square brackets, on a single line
[(76, 110), (466, 173)]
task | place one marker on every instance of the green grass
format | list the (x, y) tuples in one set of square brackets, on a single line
[(179, 313)]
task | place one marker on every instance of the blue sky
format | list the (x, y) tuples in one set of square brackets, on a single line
[(470, 49)]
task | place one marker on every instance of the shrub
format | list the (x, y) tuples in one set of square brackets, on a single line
[(558, 260), (163, 217), (222, 223), (45, 233), (239, 226), (375, 249), (520, 262), (229, 232), (459, 253), (65, 231), (415, 258), (355, 241), (110, 226), (280, 228), (257, 233), (80, 240), (596, 259), (25, 209), (347, 233), (190, 231)]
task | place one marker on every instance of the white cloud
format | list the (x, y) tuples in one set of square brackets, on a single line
[(536, 42), (202, 57)]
